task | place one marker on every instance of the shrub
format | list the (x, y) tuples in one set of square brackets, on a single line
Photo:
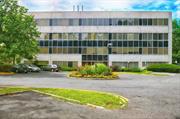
[(134, 69), (5, 68), (97, 69), (171, 68), (115, 68), (66, 68)]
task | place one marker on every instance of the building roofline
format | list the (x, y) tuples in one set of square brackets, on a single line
[(99, 11)]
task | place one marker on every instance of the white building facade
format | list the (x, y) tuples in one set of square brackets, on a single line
[(128, 38)]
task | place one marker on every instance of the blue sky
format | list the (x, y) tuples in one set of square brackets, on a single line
[(104, 5)]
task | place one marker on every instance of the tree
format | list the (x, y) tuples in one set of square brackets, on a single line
[(18, 33), (176, 41)]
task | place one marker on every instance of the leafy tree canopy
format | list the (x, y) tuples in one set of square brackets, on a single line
[(176, 41), (18, 33)]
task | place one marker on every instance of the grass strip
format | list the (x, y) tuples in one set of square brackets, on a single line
[(85, 97)]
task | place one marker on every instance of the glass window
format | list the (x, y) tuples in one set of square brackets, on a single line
[(145, 36), (166, 22), (145, 50), (114, 50), (119, 50), (42, 22), (44, 50), (64, 22), (44, 36), (106, 36), (60, 50), (160, 22), (154, 22), (136, 43), (160, 36), (56, 22), (155, 43), (155, 36), (144, 43), (84, 36), (65, 36), (124, 43), (150, 50), (150, 22), (124, 21), (130, 36), (125, 50), (41, 43), (55, 43), (130, 22), (144, 22), (124, 36), (161, 51), (165, 36), (55, 36), (106, 22), (114, 36), (140, 22), (136, 22), (150, 36), (155, 51), (73, 22), (94, 22), (165, 51), (150, 43), (119, 22)]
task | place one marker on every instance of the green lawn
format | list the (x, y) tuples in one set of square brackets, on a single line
[(85, 97)]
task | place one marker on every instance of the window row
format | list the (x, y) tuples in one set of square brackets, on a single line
[(94, 57), (66, 63), (103, 22), (135, 50), (104, 43), (104, 51), (104, 36), (139, 43), (95, 51), (46, 50)]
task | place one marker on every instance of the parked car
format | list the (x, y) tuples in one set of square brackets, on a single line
[(33, 68), (52, 67), (20, 68)]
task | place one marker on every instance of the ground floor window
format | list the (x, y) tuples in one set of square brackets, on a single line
[(125, 64), (145, 64), (66, 63)]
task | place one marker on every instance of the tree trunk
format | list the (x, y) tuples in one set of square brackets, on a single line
[(14, 60)]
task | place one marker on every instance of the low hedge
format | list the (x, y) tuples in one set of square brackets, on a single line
[(135, 69), (5, 68), (116, 68), (171, 68), (66, 68)]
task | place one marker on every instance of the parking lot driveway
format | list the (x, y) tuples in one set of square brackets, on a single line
[(150, 97), (31, 105)]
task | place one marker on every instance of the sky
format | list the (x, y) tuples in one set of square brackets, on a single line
[(104, 5)]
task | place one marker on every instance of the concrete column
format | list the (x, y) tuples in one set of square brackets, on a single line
[(110, 63), (140, 64), (79, 63)]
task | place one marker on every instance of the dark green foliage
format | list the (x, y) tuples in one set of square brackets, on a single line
[(66, 68), (115, 68), (97, 69), (5, 68), (164, 68), (134, 69), (176, 41), (18, 33)]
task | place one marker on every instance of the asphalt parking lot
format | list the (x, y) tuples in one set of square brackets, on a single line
[(150, 97)]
